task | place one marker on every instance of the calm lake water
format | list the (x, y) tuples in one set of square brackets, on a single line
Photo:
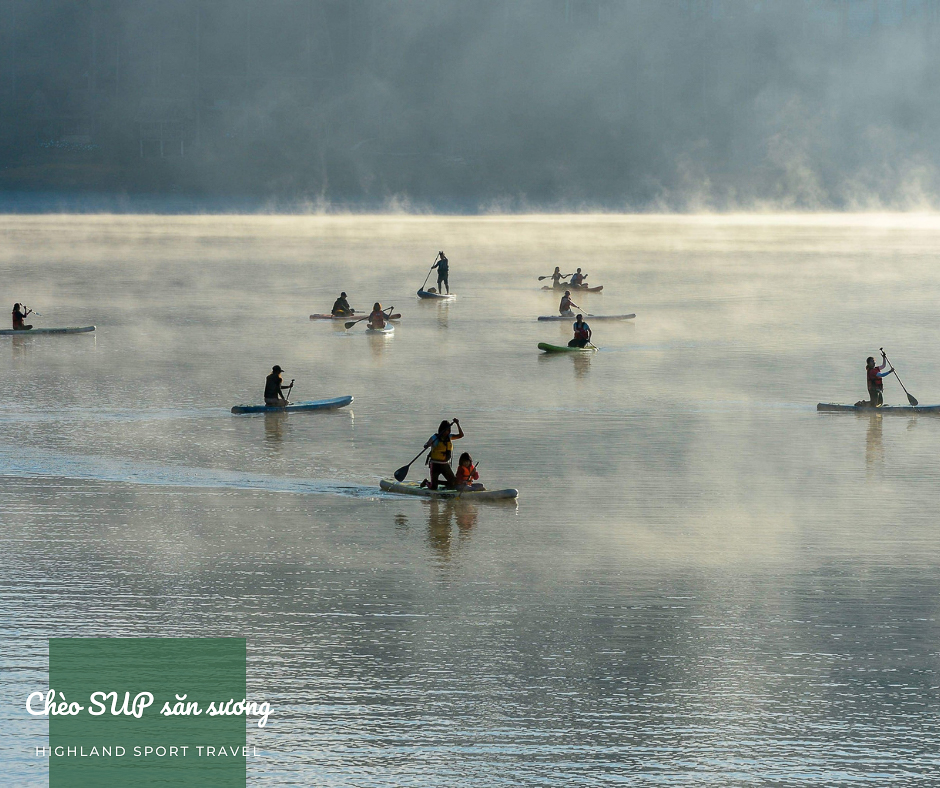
[(704, 580)]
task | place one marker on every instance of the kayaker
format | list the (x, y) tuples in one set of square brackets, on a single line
[(341, 307), (442, 450), (582, 333), (557, 276), (19, 316), (274, 396), (443, 268), (874, 377), (564, 308), (377, 317), (467, 475), (577, 279)]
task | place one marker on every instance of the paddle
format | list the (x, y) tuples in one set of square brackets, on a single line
[(402, 472), (31, 311), (289, 388), (351, 323), (910, 399), (563, 276), (426, 279)]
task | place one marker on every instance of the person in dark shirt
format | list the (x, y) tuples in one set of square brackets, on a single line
[(19, 317), (341, 307), (582, 333), (274, 396), (442, 267)]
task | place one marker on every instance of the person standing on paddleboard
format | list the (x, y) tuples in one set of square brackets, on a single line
[(874, 377), (443, 268), (341, 307), (442, 451), (582, 333), (19, 318), (564, 308), (273, 389)]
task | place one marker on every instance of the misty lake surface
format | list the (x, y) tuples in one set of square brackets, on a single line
[(705, 581)]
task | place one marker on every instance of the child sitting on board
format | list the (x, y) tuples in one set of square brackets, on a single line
[(467, 474)]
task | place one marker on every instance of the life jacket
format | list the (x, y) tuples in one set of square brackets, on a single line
[(577, 279), (565, 305), (441, 451), (874, 382), (464, 475), (377, 319), (581, 332)]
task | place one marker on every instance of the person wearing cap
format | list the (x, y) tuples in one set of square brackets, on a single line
[(442, 267), (341, 307), (274, 396), (582, 333), (564, 308)]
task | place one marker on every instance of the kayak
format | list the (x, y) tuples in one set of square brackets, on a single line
[(439, 296), (413, 488), (831, 407), (319, 404), (591, 317), (396, 316), (582, 288), (386, 330), (565, 349), (9, 332)]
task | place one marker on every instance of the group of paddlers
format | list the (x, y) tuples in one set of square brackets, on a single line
[(378, 317)]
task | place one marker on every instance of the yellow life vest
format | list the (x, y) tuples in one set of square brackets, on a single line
[(440, 451)]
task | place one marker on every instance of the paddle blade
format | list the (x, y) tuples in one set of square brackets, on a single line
[(351, 323), (402, 473), (912, 400)]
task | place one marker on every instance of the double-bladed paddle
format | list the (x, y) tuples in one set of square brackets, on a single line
[(910, 399), (351, 323)]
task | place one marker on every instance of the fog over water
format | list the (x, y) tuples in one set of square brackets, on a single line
[(705, 581), (443, 105)]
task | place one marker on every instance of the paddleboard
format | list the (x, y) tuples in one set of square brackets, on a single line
[(386, 330), (413, 488), (587, 317), (565, 349), (320, 404), (831, 407), (396, 316), (581, 288), (9, 332), (439, 296)]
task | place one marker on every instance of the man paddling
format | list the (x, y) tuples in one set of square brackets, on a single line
[(19, 317), (443, 268), (274, 396), (582, 333), (341, 307), (875, 379), (577, 279)]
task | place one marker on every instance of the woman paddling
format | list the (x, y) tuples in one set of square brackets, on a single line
[(377, 317), (582, 333), (557, 276), (19, 317), (442, 450)]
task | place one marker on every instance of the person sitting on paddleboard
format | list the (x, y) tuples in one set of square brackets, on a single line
[(341, 307), (273, 389), (557, 276), (442, 450), (467, 474), (582, 333), (19, 316), (874, 377), (577, 279), (564, 308), (377, 317), (443, 268)]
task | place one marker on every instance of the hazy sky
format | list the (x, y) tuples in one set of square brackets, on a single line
[(642, 104)]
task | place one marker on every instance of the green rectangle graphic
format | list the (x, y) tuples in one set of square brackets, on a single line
[(149, 712)]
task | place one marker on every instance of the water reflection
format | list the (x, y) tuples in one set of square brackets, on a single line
[(275, 428), (874, 444), (379, 344), (443, 516)]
